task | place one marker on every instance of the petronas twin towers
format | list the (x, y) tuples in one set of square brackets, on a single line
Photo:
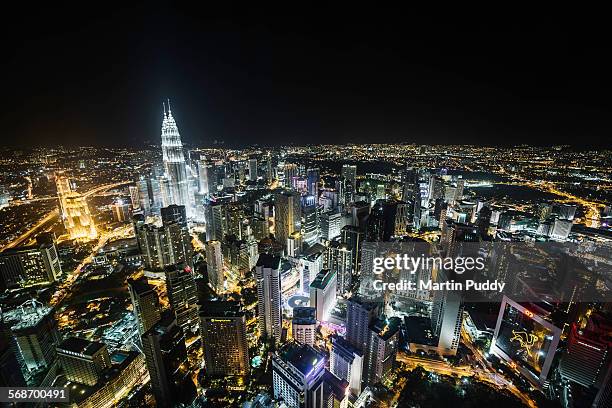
[(174, 162)]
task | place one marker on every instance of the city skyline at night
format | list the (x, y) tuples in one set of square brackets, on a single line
[(266, 211)]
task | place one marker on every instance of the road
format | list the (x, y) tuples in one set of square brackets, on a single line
[(487, 375), (62, 291), (50, 216)]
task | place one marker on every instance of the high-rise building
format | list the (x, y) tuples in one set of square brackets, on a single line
[(349, 173), (382, 349), (561, 230), (310, 225), (340, 261), (353, 237), (287, 217), (297, 371), (145, 304), (587, 353), (290, 172), (359, 314), (34, 329), (30, 265), (313, 176), (304, 325), (214, 265), (323, 294), (166, 359), (121, 211), (294, 244), (182, 293), (82, 360), (346, 362), (447, 318), (206, 178), (174, 162), (223, 329), (163, 245), (10, 369), (330, 225), (174, 213), (269, 301), (253, 169), (134, 197)]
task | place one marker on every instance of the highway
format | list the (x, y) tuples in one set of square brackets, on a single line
[(50, 216)]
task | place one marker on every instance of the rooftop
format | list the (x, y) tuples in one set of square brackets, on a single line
[(323, 279), (81, 346), (268, 261), (302, 356), (386, 328)]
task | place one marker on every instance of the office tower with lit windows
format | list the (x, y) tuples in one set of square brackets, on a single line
[(174, 162), (253, 169), (588, 349), (145, 304), (447, 318), (269, 299), (290, 172), (310, 225), (134, 197), (82, 360), (34, 329), (166, 358), (304, 325), (30, 265), (323, 293), (10, 369), (353, 237), (340, 261), (382, 349), (330, 225), (121, 211), (214, 265), (359, 314), (346, 362), (294, 244), (287, 217), (313, 177), (297, 373), (182, 294), (224, 338), (349, 173), (163, 245), (207, 182)]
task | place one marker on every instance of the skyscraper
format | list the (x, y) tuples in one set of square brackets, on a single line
[(82, 360), (346, 362), (166, 359), (214, 265), (312, 183), (181, 288), (253, 169), (30, 265), (382, 349), (33, 326), (323, 293), (145, 304), (340, 261), (269, 302), (287, 217), (164, 245), (297, 370), (447, 318), (304, 325), (223, 329), (174, 161), (359, 314)]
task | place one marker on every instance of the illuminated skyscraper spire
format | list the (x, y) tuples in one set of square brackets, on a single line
[(174, 160)]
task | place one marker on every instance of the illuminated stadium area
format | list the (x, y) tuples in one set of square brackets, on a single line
[(525, 339)]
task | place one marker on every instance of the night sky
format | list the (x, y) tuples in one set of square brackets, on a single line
[(99, 77)]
